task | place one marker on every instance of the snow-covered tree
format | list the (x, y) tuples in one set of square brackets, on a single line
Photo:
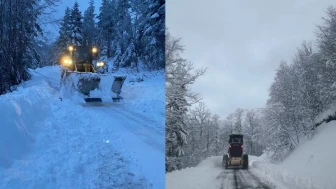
[(180, 74), (106, 26), (153, 35), (76, 25), (90, 31), (125, 52), (18, 32), (65, 34)]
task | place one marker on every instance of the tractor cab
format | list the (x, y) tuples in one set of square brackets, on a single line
[(235, 148), (81, 59), (235, 156), (236, 138)]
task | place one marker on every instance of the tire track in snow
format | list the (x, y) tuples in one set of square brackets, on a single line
[(139, 127), (227, 178), (141, 119), (142, 141), (240, 179), (246, 180)]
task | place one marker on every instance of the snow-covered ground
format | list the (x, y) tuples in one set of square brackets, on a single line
[(48, 143), (310, 166), (200, 177), (316, 158), (209, 174)]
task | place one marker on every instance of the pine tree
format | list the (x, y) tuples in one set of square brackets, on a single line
[(154, 34), (65, 34), (106, 27), (19, 29), (125, 48), (76, 25), (89, 25), (139, 9)]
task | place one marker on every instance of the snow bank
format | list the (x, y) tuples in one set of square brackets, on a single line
[(315, 158), (281, 178), (22, 113), (330, 113), (149, 98), (200, 177)]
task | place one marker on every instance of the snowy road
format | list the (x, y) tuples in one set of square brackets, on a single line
[(240, 179), (68, 144), (260, 175), (144, 139)]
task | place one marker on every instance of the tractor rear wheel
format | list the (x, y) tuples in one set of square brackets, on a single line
[(225, 161), (245, 161)]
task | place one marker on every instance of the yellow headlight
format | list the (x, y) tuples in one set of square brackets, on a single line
[(94, 50), (66, 61), (71, 48), (100, 64)]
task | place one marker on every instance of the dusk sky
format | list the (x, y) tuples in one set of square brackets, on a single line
[(60, 8), (241, 43)]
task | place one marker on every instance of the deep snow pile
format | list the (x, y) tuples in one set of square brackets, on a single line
[(200, 177), (63, 144), (281, 177), (315, 158), (19, 117)]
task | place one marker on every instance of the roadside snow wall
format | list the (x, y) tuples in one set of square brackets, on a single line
[(21, 114)]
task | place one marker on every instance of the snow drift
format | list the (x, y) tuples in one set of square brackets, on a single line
[(200, 177), (315, 158), (22, 114)]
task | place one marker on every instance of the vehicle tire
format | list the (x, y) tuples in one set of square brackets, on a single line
[(245, 161), (225, 161)]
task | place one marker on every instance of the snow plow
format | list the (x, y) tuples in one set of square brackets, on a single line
[(79, 65), (235, 156)]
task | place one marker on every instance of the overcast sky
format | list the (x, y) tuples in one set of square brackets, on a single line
[(241, 43)]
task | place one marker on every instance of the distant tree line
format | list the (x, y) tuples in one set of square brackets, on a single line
[(301, 97), (130, 32)]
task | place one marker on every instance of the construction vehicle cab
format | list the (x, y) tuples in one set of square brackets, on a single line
[(81, 59), (79, 64), (235, 156)]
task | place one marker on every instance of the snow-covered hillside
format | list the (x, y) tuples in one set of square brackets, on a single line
[(48, 143), (316, 158)]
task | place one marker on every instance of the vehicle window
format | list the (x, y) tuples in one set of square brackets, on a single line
[(236, 140)]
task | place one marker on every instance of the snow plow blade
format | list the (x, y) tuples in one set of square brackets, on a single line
[(84, 83), (87, 84), (116, 87), (93, 100)]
